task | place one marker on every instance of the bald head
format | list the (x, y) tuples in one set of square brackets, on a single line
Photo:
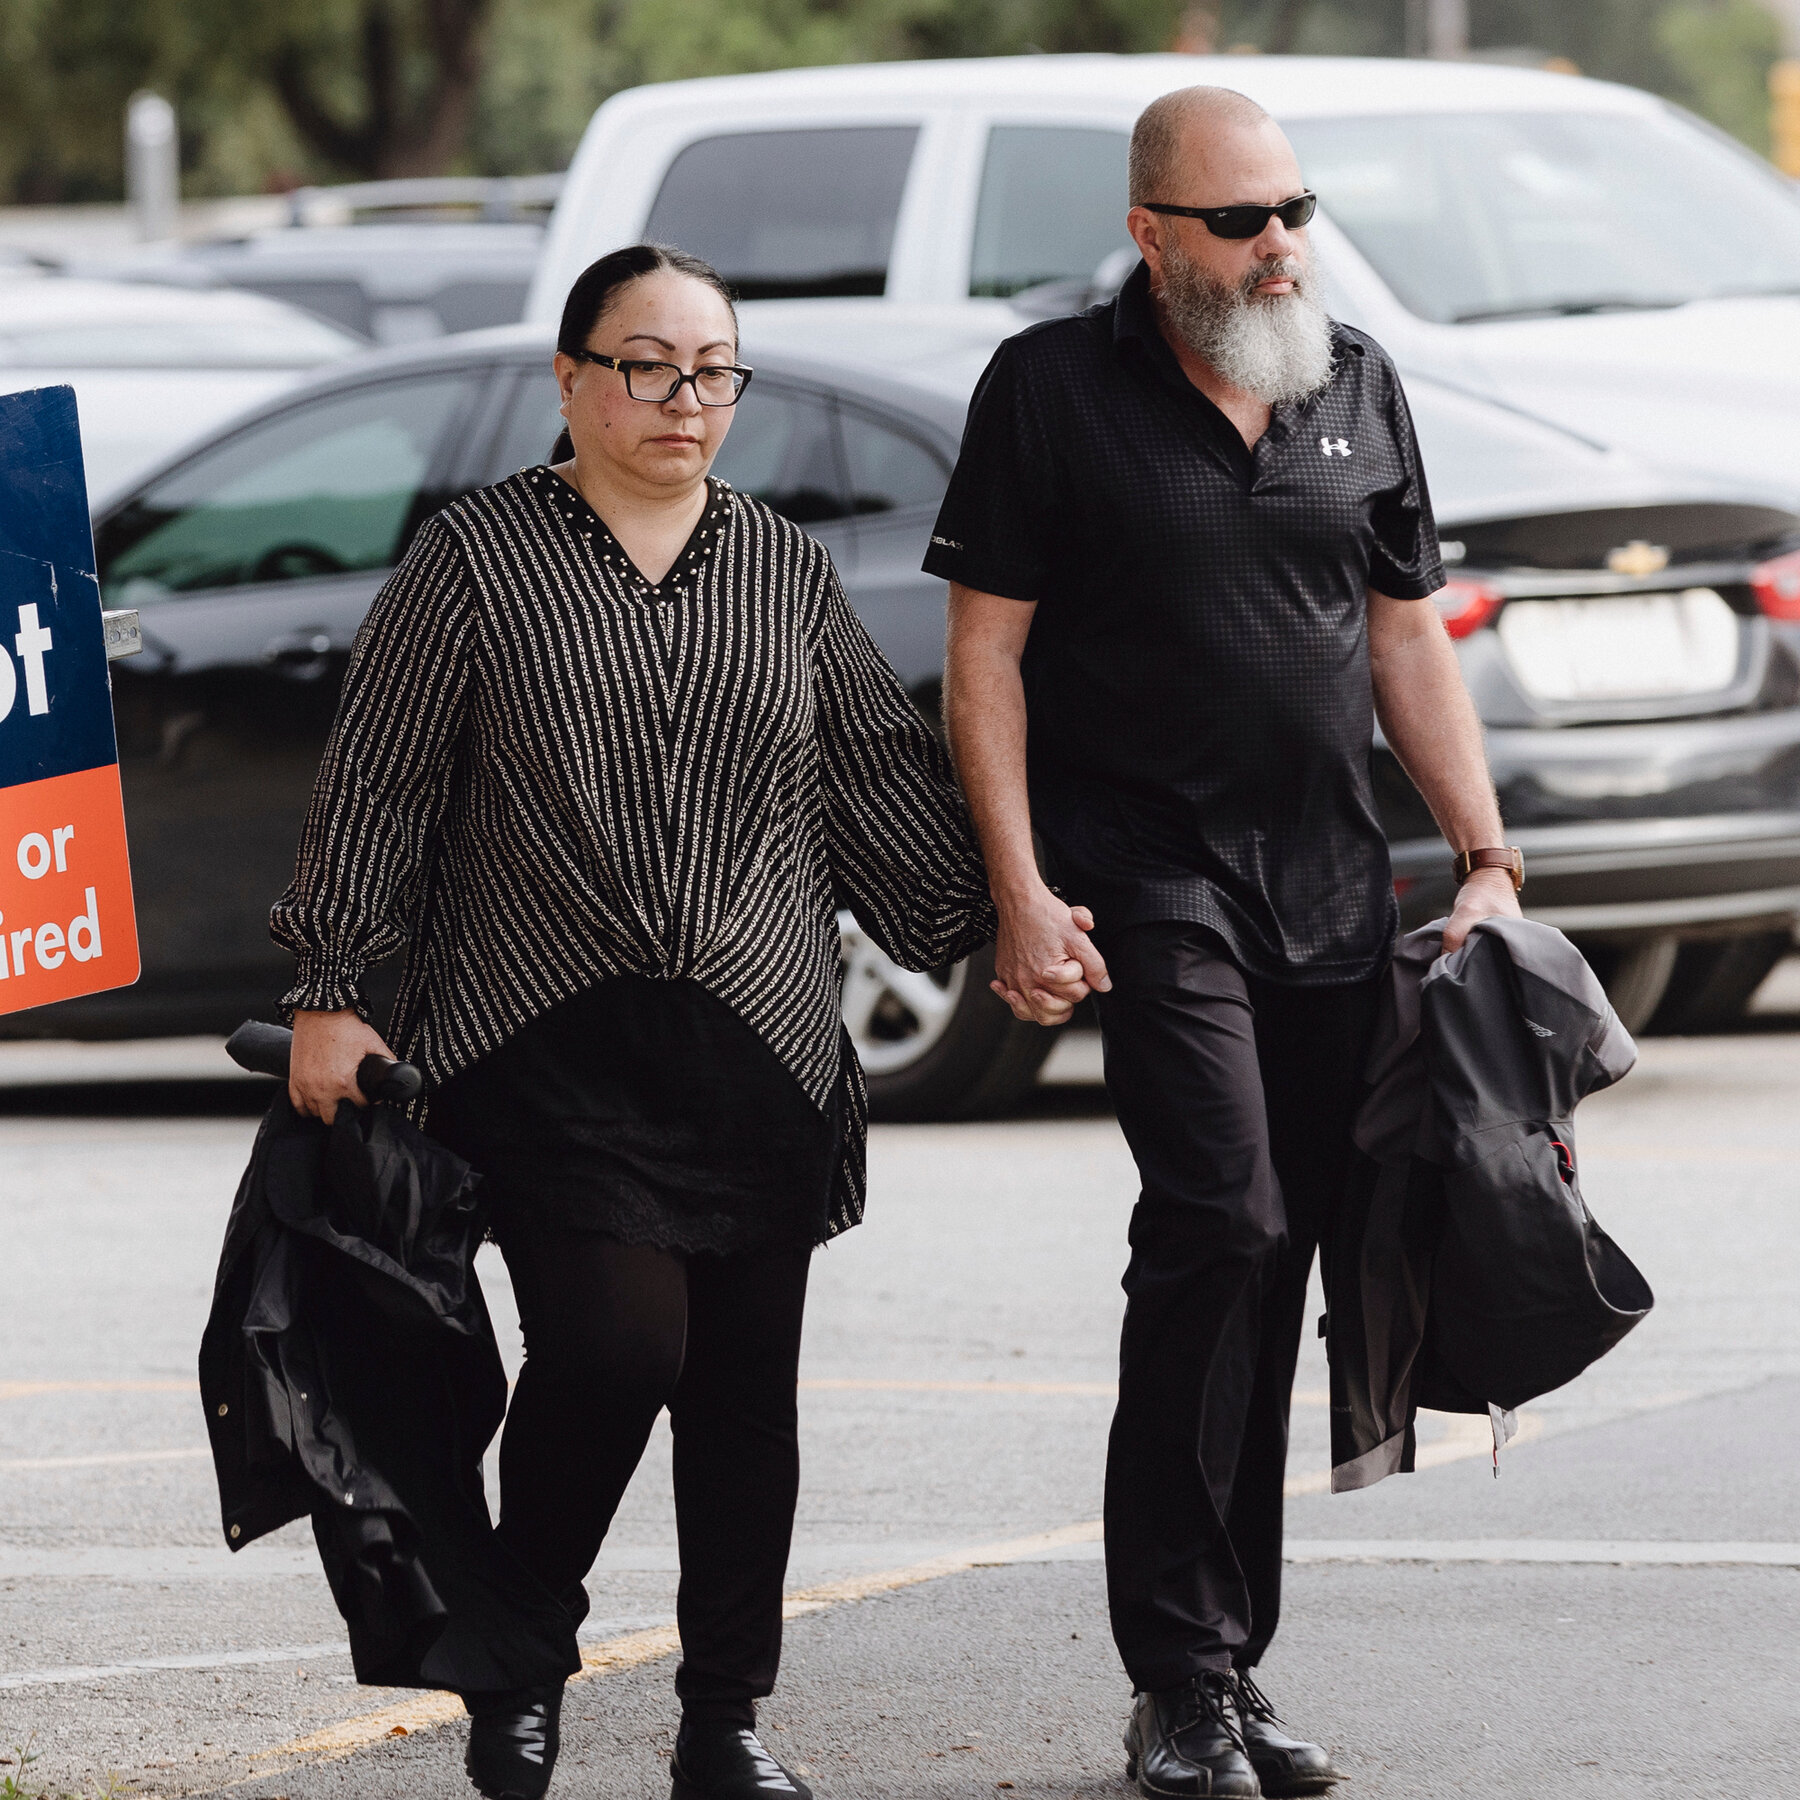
[(1170, 129)]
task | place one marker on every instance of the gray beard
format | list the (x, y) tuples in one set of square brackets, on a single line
[(1276, 349)]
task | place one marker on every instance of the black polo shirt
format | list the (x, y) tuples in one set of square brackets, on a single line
[(1197, 675)]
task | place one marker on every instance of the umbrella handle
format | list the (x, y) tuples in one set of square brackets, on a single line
[(265, 1050)]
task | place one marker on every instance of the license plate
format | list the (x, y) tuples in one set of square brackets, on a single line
[(1621, 646)]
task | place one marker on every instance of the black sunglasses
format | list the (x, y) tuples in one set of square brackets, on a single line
[(657, 382), (1243, 221)]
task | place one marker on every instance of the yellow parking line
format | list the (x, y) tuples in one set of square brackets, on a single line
[(857, 1385), (427, 1711), (25, 1390), (1466, 1435), (103, 1459), (1724, 1153), (1105, 1390)]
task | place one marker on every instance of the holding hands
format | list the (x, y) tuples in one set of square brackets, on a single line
[(1044, 960)]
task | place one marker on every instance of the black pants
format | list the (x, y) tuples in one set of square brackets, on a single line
[(614, 1333), (1237, 1098)]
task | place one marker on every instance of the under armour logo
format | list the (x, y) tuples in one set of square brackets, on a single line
[(1329, 446)]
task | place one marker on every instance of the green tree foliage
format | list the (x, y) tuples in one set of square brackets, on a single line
[(1719, 57), (270, 91)]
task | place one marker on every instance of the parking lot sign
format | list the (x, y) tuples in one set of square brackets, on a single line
[(66, 920)]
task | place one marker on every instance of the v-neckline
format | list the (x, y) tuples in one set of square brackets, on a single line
[(594, 530)]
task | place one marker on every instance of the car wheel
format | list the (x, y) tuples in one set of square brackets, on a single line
[(1635, 976), (1714, 979), (937, 1045)]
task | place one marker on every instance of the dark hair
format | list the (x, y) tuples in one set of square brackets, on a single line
[(600, 282)]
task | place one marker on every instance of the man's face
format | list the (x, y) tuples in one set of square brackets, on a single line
[(1226, 165), (1246, 306)]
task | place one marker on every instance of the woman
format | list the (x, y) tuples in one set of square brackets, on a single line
[(608, 740)]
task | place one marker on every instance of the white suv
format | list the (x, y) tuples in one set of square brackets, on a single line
[(1582, 252)]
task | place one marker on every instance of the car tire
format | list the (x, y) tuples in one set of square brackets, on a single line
[(1635, 976), (939, 1045), (1714, 979)]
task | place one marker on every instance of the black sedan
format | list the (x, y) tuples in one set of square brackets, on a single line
[(1658, 799)]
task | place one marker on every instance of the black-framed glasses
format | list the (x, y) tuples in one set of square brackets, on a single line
[(1246, 221), (714, 384)]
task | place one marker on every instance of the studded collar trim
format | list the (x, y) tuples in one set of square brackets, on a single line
[(587, 525)]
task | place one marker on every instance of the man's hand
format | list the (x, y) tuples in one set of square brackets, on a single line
[(328, 1046), (1485, 894), (1044, 961)]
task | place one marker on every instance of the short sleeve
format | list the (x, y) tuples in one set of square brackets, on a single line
[(1404, 561), (994, 531)]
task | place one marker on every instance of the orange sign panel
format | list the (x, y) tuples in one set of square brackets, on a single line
[(66, 920)]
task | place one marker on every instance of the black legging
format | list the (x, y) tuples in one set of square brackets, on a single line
[(614, 1333)]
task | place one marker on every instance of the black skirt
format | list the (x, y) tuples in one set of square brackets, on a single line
[(647, 1110)]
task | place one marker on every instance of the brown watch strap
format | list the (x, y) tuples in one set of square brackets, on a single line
[(1511, 859)]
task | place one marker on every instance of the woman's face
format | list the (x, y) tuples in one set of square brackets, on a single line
[(664, 445)]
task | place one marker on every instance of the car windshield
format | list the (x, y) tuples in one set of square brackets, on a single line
[(1513, 215)]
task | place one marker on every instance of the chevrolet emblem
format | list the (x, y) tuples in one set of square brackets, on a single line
[(1638, 558)]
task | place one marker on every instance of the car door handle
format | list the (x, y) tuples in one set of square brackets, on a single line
[(301, 655)]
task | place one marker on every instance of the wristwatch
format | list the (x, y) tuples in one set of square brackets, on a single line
[(1511, 859)]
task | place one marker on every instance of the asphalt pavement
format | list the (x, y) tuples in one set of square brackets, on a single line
[(1613, 1615)]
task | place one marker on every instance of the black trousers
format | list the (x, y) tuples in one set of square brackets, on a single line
[(614, 1333), (1237, 1097)]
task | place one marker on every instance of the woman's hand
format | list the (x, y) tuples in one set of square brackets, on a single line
[(328, 1046)]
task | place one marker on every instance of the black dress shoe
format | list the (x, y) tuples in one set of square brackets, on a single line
[(1285, 1765), (513, 1740), (728, 1762), (1184, 1741)]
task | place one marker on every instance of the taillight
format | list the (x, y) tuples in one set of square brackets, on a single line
[(1776, 586), (1466, 606)]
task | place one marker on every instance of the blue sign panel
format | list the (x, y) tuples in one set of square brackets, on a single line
[(55, 703)]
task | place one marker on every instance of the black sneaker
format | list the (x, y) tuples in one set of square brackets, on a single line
[(1286, 1766), (513, 1740), (1185, 1741), (728, 1762)]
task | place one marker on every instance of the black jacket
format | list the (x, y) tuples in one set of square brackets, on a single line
[(349, 1370), (1465, 1272)]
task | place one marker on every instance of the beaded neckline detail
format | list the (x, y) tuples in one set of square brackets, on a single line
[(587, 525)]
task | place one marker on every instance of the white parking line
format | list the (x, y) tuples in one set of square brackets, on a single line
[(1654, 1552), (204, 1659), (594, 1630)]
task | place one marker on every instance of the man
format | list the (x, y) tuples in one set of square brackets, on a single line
[(1191, 553)]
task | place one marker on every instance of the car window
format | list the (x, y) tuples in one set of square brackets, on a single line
[(889, 469), (789, 213), (328, 487), (1052, 206), (782, 450), (1468, 215), (531, 429)]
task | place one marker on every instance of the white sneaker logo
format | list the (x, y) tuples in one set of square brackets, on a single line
[(1330, 446)]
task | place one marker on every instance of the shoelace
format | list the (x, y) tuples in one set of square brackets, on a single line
[(1252, 1702), (1209, 1694)]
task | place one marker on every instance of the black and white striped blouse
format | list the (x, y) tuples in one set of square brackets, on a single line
[(547, 770)]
